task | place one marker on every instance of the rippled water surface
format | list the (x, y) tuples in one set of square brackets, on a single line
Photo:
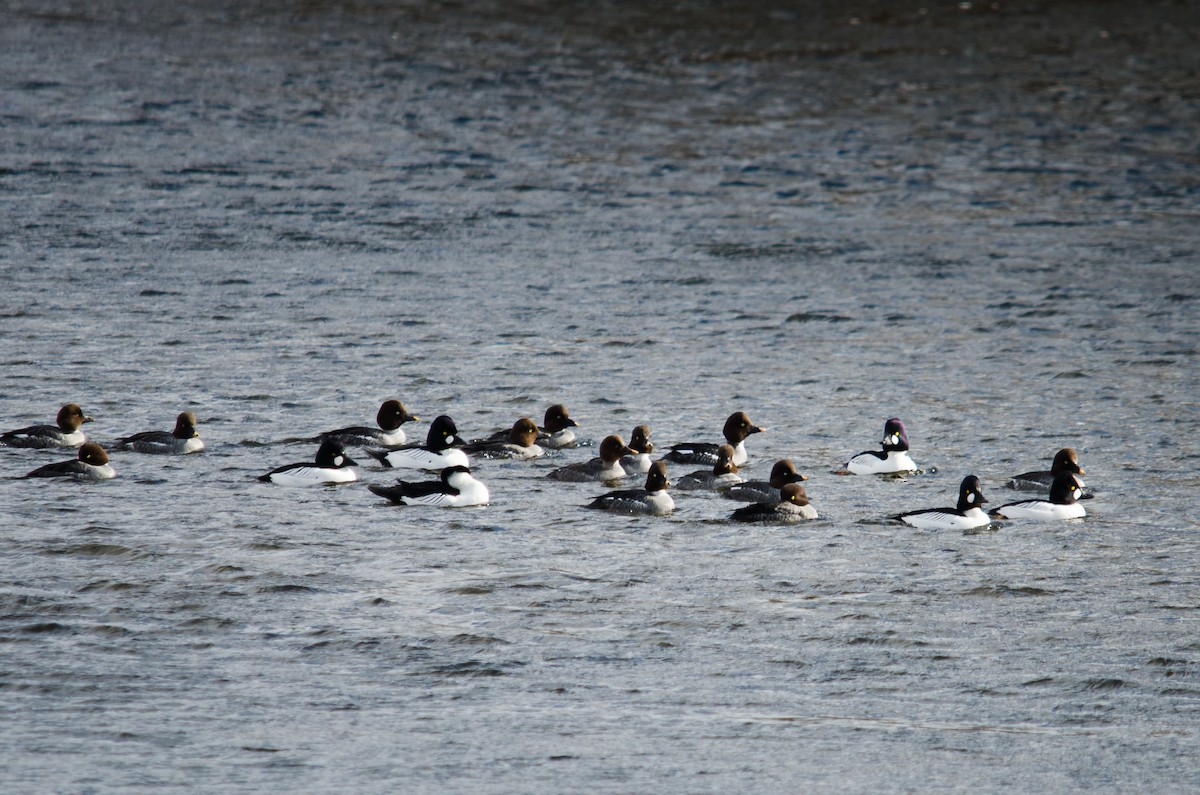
[(978, 217)]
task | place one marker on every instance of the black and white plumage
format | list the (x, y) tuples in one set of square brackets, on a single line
[(558, 429), (1065, 461), (391, 416), (91, 464), (442, 449), (891, 459), (791, 506), (737, 428), (64, 433), (723, 474), (782, 473), (332, 465), (182, 440), (968, 513), (653, 500), (519, 442), (607, 466), (638, 462), (456, 487), (1065, 493)]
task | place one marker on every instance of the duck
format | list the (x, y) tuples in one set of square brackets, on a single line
[(557, 431), (638, 462), (737, 428), (653, 500), (1065, 493), (967, 515), (64, 433), (892, 458), (607, 466), (723, 474), (442, 449), (90, 464), (390, 434), (521, 442), (1065, 460), (180, 441), (782, 473), (792, 506), (455, 487), (332, 465)]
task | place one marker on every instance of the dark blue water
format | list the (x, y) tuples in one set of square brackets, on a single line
[(978, 218)]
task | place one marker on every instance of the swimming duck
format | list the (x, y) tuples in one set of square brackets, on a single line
[(332, 465), (455, 487), (968, 514), (64, 433), (792, 506), (1065, 493), (180, 441), (782, 473), (737, 428), (892, 458), (90, 464), (653, 500)]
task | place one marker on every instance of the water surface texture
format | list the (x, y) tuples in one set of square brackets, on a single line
[(979, 217)]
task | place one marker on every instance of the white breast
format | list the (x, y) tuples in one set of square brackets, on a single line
[(1042, 510), (870, 464), (948, 520), (314, 476), (420, 458)]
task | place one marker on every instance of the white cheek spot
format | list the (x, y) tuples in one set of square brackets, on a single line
[(337, 462), (971, 497), (450, 439)]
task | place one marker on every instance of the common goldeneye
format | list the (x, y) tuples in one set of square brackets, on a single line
[(442, 449), (652, 500), (967, 515), (724, 473), (792, 506), (736, 429), (892, 458), (455, 488), (391, 416), (65, 434), (1065, 460), (184, 439), (1065, 493), (638, 462), (605, 467), (783, 473), (332, 465), (520, 442), (91, 464), (557, 428)]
